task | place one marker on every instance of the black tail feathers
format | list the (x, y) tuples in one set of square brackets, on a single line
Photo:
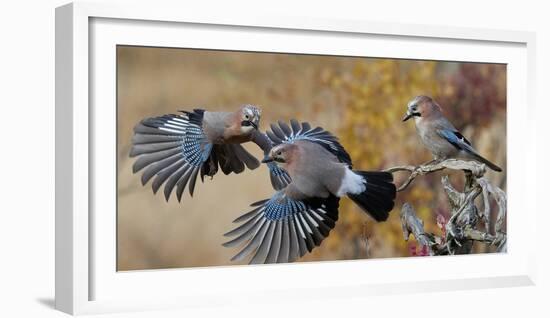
[(378, 198), (488, 163)]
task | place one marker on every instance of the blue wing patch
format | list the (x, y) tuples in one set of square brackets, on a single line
[(280, 207), (461, 143), (456, 139), (279, 177), (171, 149), (196, 148), (282, 229)]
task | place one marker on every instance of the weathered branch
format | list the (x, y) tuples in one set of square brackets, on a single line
[(500, 198), (461, 228), (411, 224), (477, 169)]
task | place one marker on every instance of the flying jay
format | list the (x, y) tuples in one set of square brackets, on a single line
[(297, 218), (173, 149), (439, 135)]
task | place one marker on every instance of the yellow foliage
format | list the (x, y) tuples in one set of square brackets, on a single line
[(362, 100), (371, 130)]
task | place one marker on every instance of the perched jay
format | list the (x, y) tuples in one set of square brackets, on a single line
[(297, 218), (439, 135), (173, 149)]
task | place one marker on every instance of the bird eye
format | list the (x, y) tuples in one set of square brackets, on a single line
[(246, 117), (279, 153)]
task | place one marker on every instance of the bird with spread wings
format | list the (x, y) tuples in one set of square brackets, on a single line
[(300, 216), (174, 149), (309, 169)]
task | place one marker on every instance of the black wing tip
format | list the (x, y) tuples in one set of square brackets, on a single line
[(143, 180), (493, 166), (155, 188), (258, 203), (132, 153), (235, 221), (226, 244), (482, 159), (235, 258)]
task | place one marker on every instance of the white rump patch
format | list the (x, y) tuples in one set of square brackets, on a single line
[(352, 184)]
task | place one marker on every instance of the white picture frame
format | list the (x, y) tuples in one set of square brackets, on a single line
[(86, 278)]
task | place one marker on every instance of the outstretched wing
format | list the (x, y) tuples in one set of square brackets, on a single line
[(171, 149), (282, 229), (282, 133), (279, 177)]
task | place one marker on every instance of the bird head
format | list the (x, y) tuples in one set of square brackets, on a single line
[(281, 153), (421, 107), (249, 117)]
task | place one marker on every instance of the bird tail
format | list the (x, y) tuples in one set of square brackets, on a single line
[(378, 198), (487, 162)]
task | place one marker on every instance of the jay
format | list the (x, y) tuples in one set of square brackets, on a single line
[(438, 134), (298, 217), (173, 149)]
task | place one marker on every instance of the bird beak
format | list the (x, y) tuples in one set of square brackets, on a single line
[(407, 116), (267, 159), (249, 123)]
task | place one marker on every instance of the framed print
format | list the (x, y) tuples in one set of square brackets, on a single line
[(248, 156)]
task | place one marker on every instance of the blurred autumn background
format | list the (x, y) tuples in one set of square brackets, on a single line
[(361, 100)]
